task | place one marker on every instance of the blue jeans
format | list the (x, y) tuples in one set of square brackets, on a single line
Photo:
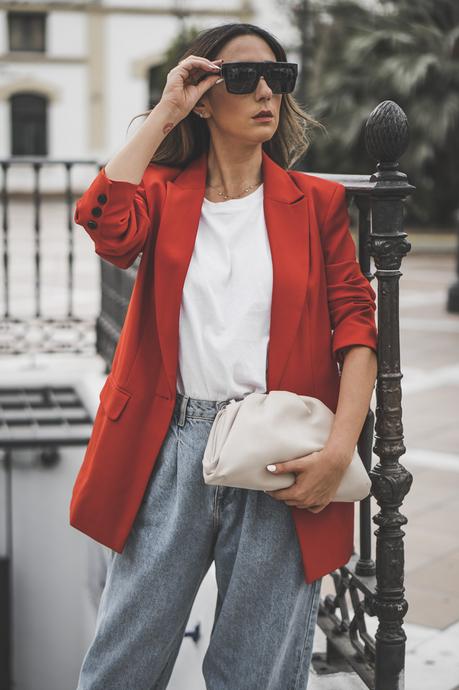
[(265, 615)]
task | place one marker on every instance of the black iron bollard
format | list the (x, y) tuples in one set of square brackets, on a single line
[(452, 304), (386, 137)]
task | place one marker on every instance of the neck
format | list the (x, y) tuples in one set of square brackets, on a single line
[(231, 171)]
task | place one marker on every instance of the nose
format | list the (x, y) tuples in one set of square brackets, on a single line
[(264, 84)]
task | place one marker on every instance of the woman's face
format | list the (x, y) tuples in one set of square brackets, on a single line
[(232, 114)]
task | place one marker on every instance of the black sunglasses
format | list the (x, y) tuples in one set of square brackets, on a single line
[(243, 77)]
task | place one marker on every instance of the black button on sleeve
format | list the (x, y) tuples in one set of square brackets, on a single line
[(92, 224), (96, 211), (102, 198)]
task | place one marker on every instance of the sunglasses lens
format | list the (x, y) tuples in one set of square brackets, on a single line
[(281, 79), (240, 79), (243, 77)]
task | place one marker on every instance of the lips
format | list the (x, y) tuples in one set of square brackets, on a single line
[(263, 113)]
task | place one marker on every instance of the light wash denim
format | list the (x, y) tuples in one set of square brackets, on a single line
[(265, 615)]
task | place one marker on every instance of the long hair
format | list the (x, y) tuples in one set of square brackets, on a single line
[(191, 136)]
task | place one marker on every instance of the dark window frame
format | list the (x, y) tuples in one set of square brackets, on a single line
[(26, 31), (29, 124), (155, 84)]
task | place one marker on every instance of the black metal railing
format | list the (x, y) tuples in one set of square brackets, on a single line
[(116, 285), (39, 271), (374, 586)]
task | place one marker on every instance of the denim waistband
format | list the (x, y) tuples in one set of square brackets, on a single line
[(185, 406)]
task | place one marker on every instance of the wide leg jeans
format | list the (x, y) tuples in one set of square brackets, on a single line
[(265, 615)]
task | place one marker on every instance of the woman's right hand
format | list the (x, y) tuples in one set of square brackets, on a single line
[(187, 82)]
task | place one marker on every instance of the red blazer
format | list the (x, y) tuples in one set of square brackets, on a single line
[(321, 302)]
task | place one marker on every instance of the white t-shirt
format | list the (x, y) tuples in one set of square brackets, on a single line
[(226, 302)]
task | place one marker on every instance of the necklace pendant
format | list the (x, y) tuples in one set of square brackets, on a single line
[(227, 196)]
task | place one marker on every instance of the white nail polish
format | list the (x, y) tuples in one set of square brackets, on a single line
[(271, 468)]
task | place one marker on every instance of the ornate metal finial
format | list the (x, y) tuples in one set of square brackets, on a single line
[(386, 133)]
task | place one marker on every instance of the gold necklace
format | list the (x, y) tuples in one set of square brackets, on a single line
[(227, 196)]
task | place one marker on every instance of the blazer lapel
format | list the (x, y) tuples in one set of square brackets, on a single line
[(287, 222)]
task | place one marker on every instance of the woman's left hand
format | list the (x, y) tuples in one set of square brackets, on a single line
[(318, 477)]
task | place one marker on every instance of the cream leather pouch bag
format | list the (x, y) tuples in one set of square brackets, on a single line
[(265, 428)]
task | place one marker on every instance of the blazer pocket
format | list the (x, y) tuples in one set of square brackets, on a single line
[(113, 399)]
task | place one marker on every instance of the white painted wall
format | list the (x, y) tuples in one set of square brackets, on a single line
[(128, 40)]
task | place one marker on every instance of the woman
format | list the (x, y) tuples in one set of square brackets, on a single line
[(246, 268)]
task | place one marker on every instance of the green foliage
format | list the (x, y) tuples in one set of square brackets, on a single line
[(175, 51), (404, 51)]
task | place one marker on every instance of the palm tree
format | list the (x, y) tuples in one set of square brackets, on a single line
[(404, 51)]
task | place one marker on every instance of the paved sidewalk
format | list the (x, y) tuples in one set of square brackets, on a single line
[(430, 399)]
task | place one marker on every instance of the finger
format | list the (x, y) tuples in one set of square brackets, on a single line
[(206, 83), (296, 465), (199, 57), (312, 509), (282, 494), (197, 63), (200, 76), (274, 495), (316, 508), (206, 77)]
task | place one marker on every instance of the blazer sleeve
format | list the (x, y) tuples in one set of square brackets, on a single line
[(351, 299), (116, 216)]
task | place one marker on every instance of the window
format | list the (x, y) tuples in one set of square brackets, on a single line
[(29, 120), (26, 31), (155, 84)]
